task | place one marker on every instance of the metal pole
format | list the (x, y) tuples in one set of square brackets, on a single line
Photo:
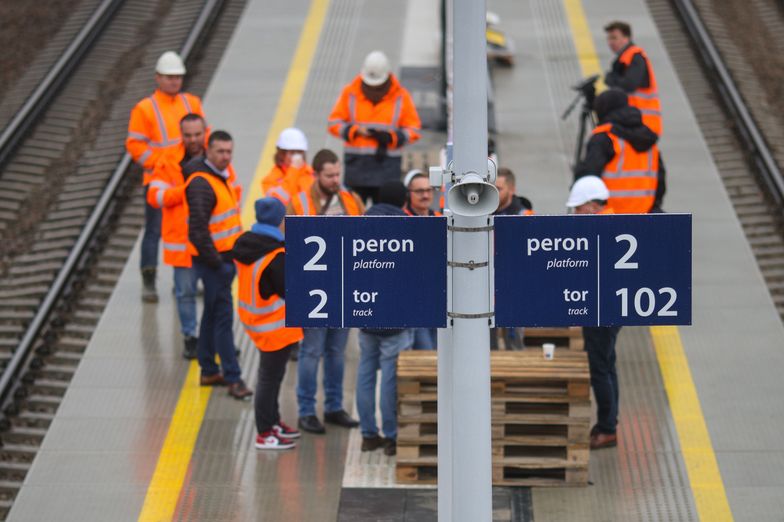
[(468, 488)]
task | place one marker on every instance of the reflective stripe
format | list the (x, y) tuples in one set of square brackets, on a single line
[(352, 108), (159, 197), (176, 247), (335, 122), (650, 111), (266, 327), (631, 173), (138, 136), (226, 233), (621, 154), (303, 198), (225, 215), (185, 101), (379, 126), (282, 194), (277, 305), (144, 157), (645, 95), (396, 112), (369, 151), (164, 144), (161, 122), (160, 184), (632, 193)]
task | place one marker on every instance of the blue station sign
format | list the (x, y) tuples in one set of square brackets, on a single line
[(593, 270), (374, 271)]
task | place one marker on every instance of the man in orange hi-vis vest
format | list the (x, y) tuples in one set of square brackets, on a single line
[(632, 72), (213, 227), (154, 128), (375, 117), (259, 256), (324, 198), (623, 152)]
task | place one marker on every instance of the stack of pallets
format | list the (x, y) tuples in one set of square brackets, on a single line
[(540, 418)]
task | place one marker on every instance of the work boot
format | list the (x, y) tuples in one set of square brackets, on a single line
[(149, 295), (191, 343)]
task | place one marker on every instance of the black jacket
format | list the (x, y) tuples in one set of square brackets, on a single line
[(249, 248), (627, 125), (518, 205), (201, 200), (630, 78)]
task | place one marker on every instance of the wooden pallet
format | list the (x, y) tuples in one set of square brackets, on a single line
[(571, 337), (540, 418)]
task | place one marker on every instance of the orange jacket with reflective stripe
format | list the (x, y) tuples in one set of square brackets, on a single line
[(167, 192), (155, 126), (264, 319), (646, 98), (285, 182), (303, 204), (630, 176), (225, 225), (395, 112)]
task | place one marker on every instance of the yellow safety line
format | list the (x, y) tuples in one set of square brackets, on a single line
[(701, 465), (166, 484), (289, 102)]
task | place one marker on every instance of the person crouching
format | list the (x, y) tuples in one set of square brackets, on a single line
[(260, 257)]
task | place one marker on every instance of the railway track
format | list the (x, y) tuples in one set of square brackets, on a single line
[(71, 209), (729, 101)]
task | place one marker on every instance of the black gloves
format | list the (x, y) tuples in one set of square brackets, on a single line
[(384, 139)]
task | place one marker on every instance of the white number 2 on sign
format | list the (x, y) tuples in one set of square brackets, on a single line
[(313, 265)]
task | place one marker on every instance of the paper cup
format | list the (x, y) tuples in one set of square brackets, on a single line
[(548, 350)]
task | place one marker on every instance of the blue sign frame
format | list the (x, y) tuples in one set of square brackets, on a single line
[(593, 270), (367, 272)]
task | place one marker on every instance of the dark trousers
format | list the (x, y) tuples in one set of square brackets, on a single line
[(272, 368), (600, 345), (215, 331), (366, 193), (152, 234)]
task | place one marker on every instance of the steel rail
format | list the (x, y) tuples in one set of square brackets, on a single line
[(10, 376), (45, 92), (750, 133)]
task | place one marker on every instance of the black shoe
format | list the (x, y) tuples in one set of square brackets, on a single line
[(191, 344), (311, 424), (294, 354), (149, 295), (390, 450), (341, 418), (239, 391), (373, 443)]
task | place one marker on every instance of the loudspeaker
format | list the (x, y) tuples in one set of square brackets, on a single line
[(473, 196)]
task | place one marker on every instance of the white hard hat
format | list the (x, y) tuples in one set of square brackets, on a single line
[(292, 139), (410, 175), (170, 63), (585, 189), (376, 69)]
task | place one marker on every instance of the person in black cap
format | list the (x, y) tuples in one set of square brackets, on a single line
[(623, 152), (259, 255)]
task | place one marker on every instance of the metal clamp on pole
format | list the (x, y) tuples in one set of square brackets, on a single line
[(471, 265)]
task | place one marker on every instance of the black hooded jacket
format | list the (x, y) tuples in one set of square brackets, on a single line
[(249, 248), (630, 78), (201, 201)]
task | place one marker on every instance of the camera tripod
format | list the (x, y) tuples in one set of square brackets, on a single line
[(586, 90)]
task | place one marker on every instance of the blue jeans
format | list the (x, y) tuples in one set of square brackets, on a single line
[(379, 353), (425, 338), (215, 334), (331, 344), (600, 345), (185, 292), (152, 234)]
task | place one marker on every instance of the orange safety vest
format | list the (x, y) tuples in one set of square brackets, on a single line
[(264, 319), (645, 98), (155, 126), (395, 112), (284, 183), (225, 225), (303, 204), (630, 176)]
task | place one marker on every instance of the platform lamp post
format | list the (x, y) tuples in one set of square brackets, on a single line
[(464, 441)]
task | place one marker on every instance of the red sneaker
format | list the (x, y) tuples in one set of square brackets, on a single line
[(269, 441), (281, 429)]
